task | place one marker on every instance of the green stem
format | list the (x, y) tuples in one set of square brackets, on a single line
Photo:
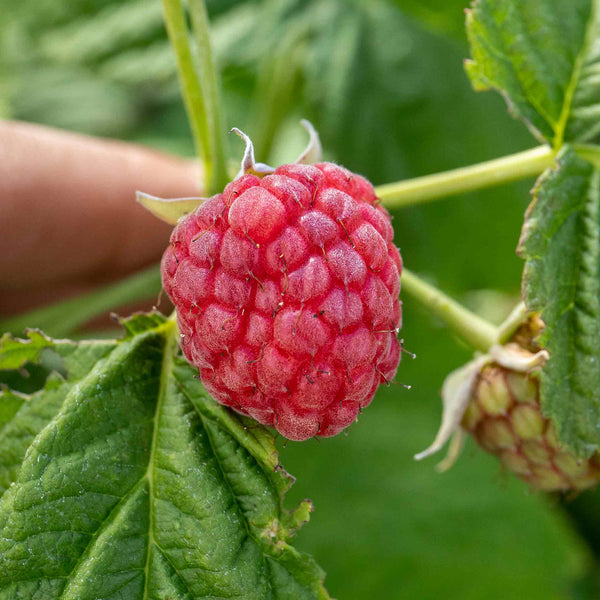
[(472, 329), (494, 172), (510, 325), (201, 103), (63, 318), (210, 84)]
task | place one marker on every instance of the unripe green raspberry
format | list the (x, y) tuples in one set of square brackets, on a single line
[(504, 416), (496, 398)]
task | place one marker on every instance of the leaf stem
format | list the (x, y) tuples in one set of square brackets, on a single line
[(472, 329), (457, 181), (199, 88)]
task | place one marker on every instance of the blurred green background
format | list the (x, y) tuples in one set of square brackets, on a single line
[(383, 83)]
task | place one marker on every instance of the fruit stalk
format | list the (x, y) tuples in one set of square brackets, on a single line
[(465, 179), (472, 329)]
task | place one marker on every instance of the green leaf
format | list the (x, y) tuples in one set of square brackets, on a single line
[(116, 26), (15, 353), (28, 418), (22, 416), (139, 323), (141, 486), (561, 246), (10, 403), (543, 56)]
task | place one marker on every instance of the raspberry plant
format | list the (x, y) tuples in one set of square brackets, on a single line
[(122, 478)]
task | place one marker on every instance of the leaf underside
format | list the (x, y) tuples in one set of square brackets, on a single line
[(544, 57), (124, 479), (561, 246)]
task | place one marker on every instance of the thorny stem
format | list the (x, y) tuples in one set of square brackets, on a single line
[(201, 103), (493, 172), (472, 329)]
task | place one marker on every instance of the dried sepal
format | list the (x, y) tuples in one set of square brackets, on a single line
[(516, 358), (249, 164), (456, 394)]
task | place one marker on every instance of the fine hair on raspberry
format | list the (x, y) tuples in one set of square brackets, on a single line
[(287, 296)]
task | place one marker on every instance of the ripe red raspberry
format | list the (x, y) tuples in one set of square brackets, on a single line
[(286, 290)]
